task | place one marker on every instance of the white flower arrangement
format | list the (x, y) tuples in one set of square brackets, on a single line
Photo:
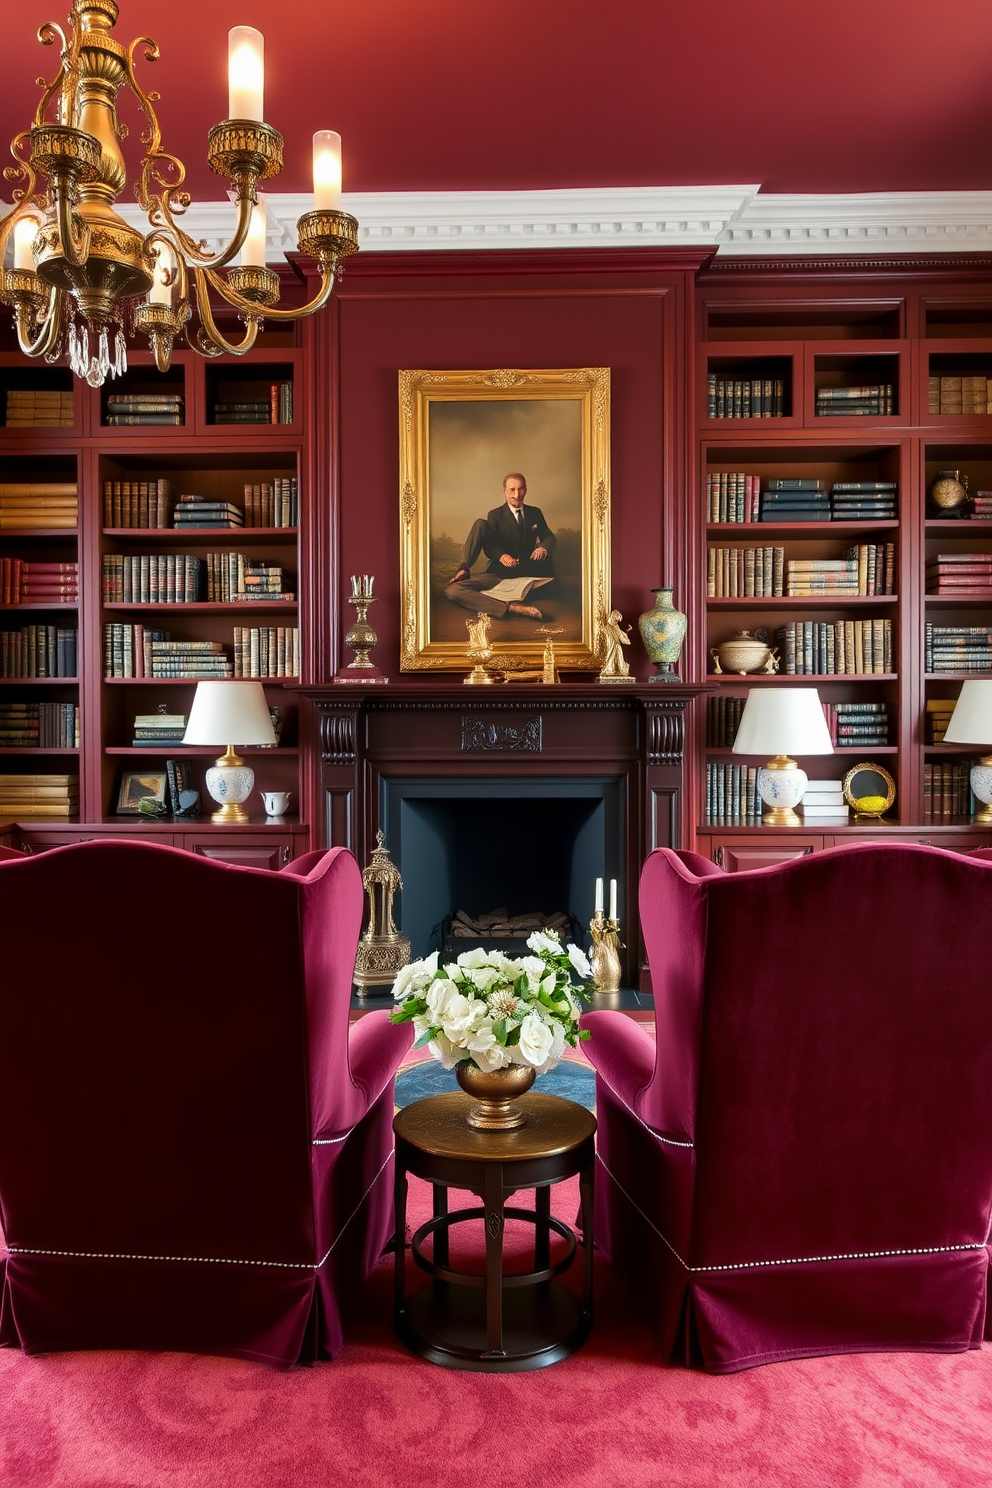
[(496, 1010)]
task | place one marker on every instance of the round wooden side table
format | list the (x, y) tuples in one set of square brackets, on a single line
[(493, 1321)]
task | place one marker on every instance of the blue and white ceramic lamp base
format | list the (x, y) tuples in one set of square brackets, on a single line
[(781, 788), (230, 782)]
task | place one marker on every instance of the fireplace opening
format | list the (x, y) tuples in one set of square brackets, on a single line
[(525, 846)]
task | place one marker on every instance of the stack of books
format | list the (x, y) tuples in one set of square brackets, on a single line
[(821, 576), (960, 394), (29, 408), (957, 648), (982, 505), (858, 723), (863, 501), (732, 496), (267, 651), (27, 581), (795, 499), (811, 648), (754, 572), (232, 578), (939, 712), (960, 573), (745, 397), (823, 803), (244, 411), (847, 402), (198, 511), (732, 794), (28, 796), (28, 504), (723, 717), (272, 503), (38, 651), (39, 726), (189, 659), (158, 730), (152, 578), (142, 408), (137, 503)]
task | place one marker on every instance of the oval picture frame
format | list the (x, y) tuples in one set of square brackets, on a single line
[(869, 780)]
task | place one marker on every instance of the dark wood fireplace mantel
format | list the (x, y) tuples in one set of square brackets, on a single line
[(631, 734)]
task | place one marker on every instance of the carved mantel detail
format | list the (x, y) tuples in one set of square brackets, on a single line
[(666, 735), (480, 736)]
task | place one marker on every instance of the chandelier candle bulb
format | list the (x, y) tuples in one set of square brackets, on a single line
[(326, 171), (24, 235), (253, 251), (245, 73)]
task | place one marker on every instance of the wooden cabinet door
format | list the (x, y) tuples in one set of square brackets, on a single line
[(245, 850), (735, 855)]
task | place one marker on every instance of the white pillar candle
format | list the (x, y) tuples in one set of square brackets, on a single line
[(24, 235), (253, 249), (613, 898), (245, 73), (326, 171), (599, 896)]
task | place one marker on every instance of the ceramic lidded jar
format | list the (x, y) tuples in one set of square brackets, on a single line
[(663, 631), (743, 653)]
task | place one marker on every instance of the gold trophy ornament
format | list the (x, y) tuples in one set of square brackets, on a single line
[(381, 950)]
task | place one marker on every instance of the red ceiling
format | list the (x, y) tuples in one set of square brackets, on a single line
[(854, 95)]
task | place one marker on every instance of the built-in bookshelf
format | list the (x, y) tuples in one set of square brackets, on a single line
[(182, 562), (818, 535)]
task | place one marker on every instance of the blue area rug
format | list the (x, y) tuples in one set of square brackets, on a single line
[(569, 1079)]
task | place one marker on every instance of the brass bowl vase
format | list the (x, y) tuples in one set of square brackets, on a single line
[(497, 1090)]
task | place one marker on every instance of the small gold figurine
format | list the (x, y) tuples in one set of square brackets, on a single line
[(549, 673), (381, 950), (479, 649), (615, 667)]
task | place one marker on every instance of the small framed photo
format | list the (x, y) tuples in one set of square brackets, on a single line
[(141, 785)]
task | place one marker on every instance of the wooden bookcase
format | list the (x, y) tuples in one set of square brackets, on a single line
[(201, 456), (830, 330)]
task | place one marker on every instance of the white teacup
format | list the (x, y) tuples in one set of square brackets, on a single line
[(276, 802)]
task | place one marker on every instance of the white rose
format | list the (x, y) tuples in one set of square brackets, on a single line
[(493, 1058), (414, 976), (580, 961), (535, 1041), (438, 998), (484, 977), (445, 1052), (476, 957), (541, 940)]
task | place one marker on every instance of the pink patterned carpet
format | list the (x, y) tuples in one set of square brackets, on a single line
[(612, 1416)]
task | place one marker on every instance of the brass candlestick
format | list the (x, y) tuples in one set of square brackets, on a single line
[(361, 637), (606, 944)]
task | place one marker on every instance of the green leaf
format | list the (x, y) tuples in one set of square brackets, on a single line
[(584, 1034), (426, 1037), (499, 1031)]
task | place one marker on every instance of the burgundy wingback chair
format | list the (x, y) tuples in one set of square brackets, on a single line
[(196, 1147), (800, 1162)]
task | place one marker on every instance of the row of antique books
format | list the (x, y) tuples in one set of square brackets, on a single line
[(38, 651), (960, 573), (953, 394), (39, 726), (733, 496), (28, 504), (267, 651), (37, 795), (154, 504), (744, 397), (957, 648), (947, 789), (848, 723), (24, 581), (870, 399), (765, 573), (146, 651), (275, 407), (811, 648), (183, 578), (137, 409)]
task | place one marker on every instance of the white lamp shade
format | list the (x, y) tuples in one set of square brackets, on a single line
[(971, 721), (782, 720), (226, 713)]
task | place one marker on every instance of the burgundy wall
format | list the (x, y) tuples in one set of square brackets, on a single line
[(486, 311)]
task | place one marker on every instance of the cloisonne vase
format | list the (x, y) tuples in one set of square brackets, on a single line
[(663, 631)]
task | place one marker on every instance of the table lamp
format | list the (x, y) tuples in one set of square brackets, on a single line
[(971, 723), (224, 711), (779, 721)]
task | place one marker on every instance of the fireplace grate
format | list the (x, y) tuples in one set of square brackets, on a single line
[(499, 930)]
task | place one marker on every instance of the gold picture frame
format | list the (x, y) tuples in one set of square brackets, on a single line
[(461, 433), (869, 790)]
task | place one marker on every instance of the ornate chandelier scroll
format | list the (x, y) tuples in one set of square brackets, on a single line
[(83, 277)]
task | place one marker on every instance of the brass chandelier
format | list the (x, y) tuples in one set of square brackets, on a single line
[(83, 277)]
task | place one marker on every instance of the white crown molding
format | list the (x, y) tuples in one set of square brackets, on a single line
[(879, 222), (734, 220)]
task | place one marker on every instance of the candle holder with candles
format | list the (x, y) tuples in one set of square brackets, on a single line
[(606, 943), (361, 637)]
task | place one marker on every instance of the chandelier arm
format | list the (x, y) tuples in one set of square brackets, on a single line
[(50, 331), (185, 247), (74, 234), (62, 81), (319, 300), (203, 279)]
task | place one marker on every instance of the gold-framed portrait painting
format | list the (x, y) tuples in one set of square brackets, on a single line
[(504, 511)]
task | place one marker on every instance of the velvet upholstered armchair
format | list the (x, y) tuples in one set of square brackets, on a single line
[(196, 1149), (801, 1162)]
